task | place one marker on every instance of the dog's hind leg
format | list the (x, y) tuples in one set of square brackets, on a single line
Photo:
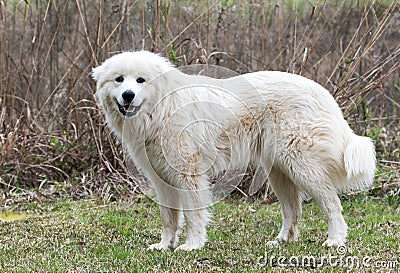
[(195, 199), (290, 202), (168, 200), (328, 199), (315, 180)]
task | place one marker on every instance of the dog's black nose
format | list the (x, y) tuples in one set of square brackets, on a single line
[(128, 96)]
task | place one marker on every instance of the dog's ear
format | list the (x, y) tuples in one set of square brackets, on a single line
[(96, 72)]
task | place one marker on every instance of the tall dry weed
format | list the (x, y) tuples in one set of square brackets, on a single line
[(51, 131)]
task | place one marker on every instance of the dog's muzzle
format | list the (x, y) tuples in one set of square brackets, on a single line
[(127, 109)]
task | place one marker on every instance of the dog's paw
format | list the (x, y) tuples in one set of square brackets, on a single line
[(274, 243), (158, 246), (188, 247), (333, 243), (277, 242)]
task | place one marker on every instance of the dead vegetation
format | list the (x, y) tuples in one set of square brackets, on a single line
[(52, 135)]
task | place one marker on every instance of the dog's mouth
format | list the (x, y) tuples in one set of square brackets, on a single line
[(128, 110)]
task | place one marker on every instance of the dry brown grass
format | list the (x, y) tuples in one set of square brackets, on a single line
[(51, 132)]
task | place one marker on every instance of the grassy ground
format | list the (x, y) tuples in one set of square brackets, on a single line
[(84, 236)]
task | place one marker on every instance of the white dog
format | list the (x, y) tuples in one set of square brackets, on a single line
[(181, 129)]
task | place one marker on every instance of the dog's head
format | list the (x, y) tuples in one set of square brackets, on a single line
[(126, 82)]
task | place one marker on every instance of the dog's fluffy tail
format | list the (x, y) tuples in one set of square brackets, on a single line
[(359, 162)]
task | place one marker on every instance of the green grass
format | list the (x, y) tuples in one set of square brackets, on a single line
[(83, 236)]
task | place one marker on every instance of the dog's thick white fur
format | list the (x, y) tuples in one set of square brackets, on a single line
[(181, 129)]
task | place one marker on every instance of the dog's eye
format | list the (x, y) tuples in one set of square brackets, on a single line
[(140, 80), (119, 79)]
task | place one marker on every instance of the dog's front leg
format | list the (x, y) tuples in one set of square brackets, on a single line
[(169, 235), (195, 201), (168, 200), (196, 222)]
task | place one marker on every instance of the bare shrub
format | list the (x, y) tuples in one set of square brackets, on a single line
[(52, 132)]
